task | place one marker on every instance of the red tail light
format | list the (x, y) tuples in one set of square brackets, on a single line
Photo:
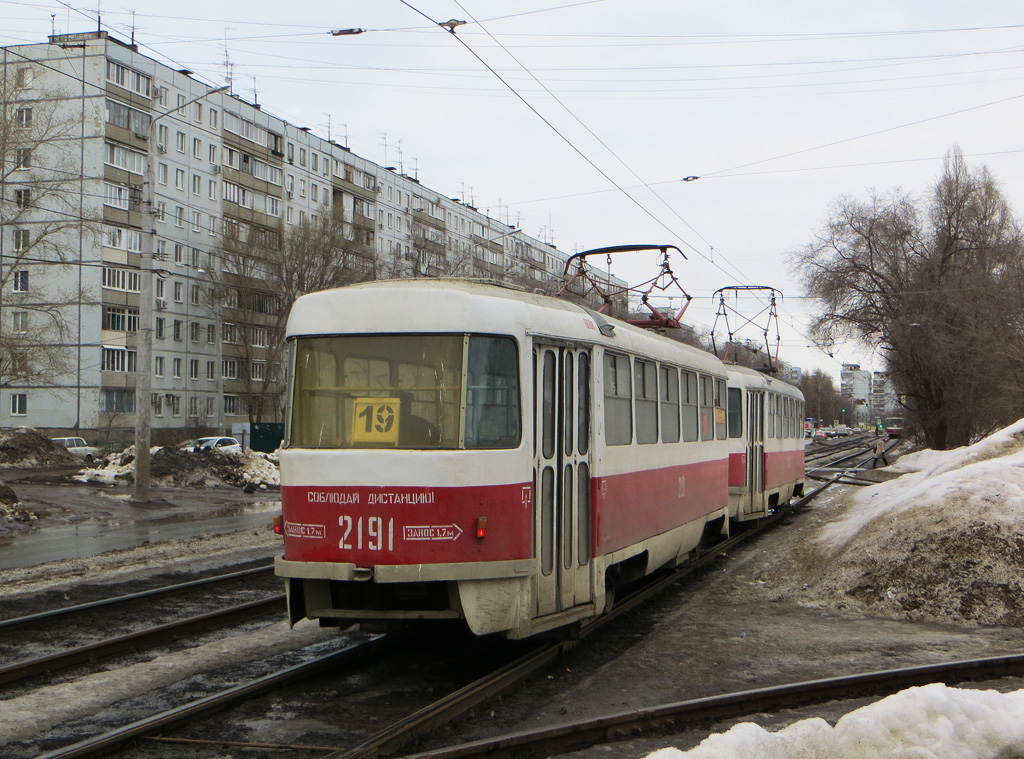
[(481, 527), (279, 525)]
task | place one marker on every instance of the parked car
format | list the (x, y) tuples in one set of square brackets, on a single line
[(78, 447), (842, 431), (222, 444)]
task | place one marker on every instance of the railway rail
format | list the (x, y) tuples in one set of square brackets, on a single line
[(574, 736)]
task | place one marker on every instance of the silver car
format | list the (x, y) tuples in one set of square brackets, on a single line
[(78, 447)]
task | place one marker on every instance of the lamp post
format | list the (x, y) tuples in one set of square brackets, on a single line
[(144, 356)]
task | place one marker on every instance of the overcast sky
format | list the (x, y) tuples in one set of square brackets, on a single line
[(578, 121)]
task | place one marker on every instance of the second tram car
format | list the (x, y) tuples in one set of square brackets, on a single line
[(506, 458)]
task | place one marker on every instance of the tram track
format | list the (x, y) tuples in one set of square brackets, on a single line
[(676, 717), (36, 632)]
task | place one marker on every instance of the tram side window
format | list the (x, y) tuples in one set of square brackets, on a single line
[(720, 430), (769, 415), (735, 412), (618, 401), (690, 410), (645, 375), (707, 407), (669, 395)]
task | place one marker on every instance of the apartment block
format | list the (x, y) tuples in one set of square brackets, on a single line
[(120, 155)]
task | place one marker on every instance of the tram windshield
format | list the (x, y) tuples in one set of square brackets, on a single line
[(405, 391)]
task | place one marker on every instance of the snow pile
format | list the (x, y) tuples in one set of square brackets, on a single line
[(173, 466), (930, 722), (944, 542), (27, 447)]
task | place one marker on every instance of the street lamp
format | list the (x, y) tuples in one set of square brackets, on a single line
[(144, 357)]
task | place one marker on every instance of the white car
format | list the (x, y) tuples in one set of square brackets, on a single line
[(78, 447), (221, 444)]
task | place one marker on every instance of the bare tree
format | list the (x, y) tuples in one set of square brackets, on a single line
[(42, 220), (821, 399), (260, 278), (936, 286)]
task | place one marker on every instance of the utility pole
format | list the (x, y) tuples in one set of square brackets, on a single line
[(144, 355)]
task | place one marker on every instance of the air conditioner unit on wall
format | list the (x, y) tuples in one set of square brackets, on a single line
[(161, 148), (216, 169), (161, 304)]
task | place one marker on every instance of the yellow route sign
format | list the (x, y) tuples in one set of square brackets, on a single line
[(375, 421)]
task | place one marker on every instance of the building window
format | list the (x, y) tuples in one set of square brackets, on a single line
[(259, 337), (211, 334), (160, 327), (179, 216), (21, 281), (259, 371), (197, 184), (231, 404), (212, 116), (125, 158), (177, 332), (22, 158), (197, 221), (193, 368), (193, 406), (229, 368), (129, 79), (19, 404), (179, 292), (176, 368), (158, 366), (23, 118), (20, 322), (22, 240), (211, 370), (116, 196), (23, 198), (174, 401), (117, 401), (158, 404), (121, 318), (24, 77), (197, 147), (179, 141), (118, 360), (194, 331)]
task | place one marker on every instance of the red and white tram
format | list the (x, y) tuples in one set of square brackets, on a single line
[(459, 450)]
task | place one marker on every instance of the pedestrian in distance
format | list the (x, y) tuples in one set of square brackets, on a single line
[(880, 451)]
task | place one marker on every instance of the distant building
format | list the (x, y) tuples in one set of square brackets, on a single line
[(855, 389)]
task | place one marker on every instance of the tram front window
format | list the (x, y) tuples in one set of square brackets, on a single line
[(406, 392)]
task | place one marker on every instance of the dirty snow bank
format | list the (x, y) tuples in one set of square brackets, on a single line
[(930, 722), (177, 467), (943, 542)]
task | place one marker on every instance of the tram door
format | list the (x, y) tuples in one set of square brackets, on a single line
[(562, 382), (755, 453)]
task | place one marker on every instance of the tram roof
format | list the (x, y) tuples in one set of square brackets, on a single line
[(459, 305)]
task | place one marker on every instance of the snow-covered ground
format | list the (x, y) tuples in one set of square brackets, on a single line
[(944, 541), (929, 722)]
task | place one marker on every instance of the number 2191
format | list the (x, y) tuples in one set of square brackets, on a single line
[(372, 535)]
